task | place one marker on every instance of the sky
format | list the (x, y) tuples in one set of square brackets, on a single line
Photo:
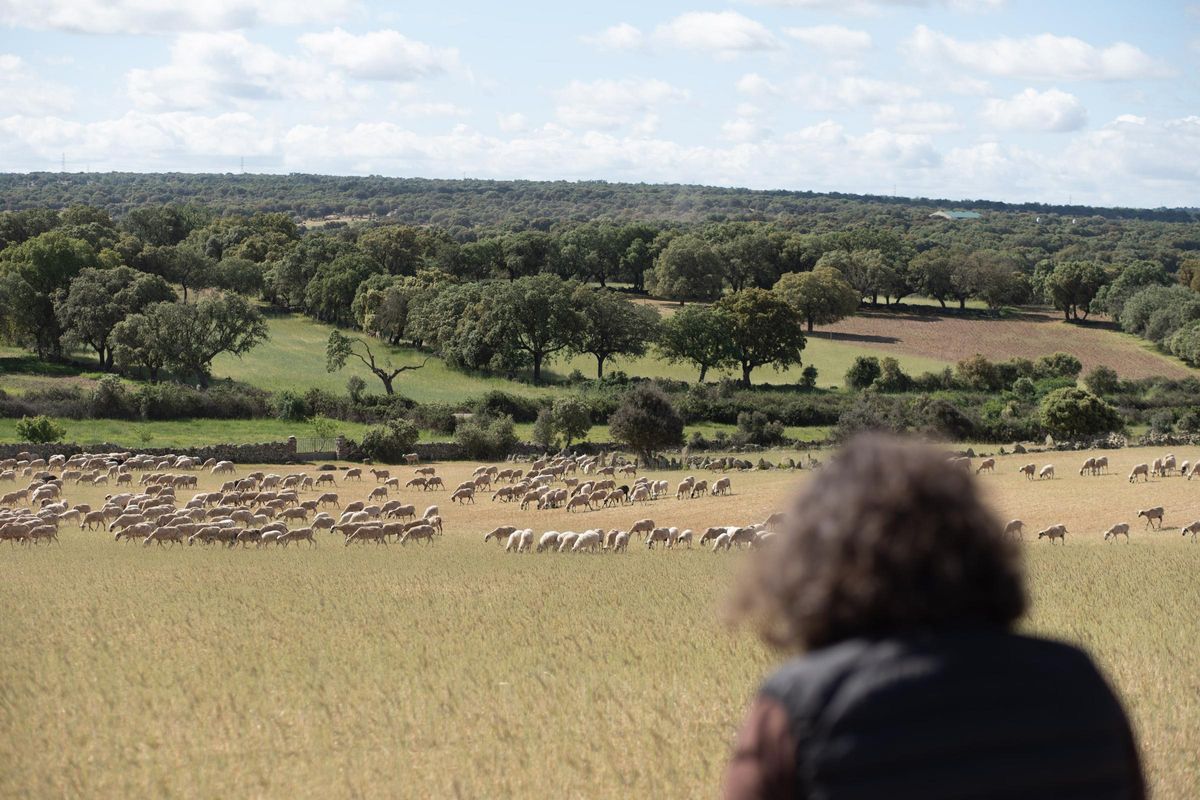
[(1054, 100)]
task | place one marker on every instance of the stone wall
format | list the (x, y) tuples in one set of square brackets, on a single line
[(263, 453)]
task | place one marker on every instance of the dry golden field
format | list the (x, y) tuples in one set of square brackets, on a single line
[(456, 670)]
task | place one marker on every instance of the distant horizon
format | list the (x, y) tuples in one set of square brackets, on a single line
[(1080, 101), (922, 199)]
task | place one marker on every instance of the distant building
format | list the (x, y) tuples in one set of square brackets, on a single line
[(957, 215)]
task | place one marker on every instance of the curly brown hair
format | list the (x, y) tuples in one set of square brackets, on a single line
[(888, 539)]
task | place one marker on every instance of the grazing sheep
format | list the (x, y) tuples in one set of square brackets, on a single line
[(1054, 532), (501, 533), (1089, 467), (685, 537), (549, 541), (1046, 472), (566, 539), (381, 475), (1168, 464), (353, 473), (1101, 464), (621, 542), (723, 542), (1015, 526), (684, 488), (1193, 529), (378, 493), (1140, 469), (579, 501), (774, 520), (297, 535), (463, 495), (415, 483), (411, 458), (722, 486), (588, 540), (987, 465), (715, 532), (1029, 470), (1156, 466), (1152, 514), (700, 488), (643, 526), (658, 535), (329, 498), (1121, 529), (431, 511), (434, 483), (425, 532)]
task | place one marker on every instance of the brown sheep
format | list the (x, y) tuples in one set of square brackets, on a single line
[(1029, 471), (1054, 532), (1142, 470), (987, 465), (1152, 514)]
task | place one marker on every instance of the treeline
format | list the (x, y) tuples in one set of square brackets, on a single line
[(475, 203)]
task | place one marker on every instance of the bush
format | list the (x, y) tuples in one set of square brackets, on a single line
[(1024, 389), (863, 372), (1059, 365), (979, 374), (872, 412), (355, 387), (1102, 380), (40, 430), (486, 438), (941, 418), (572, 418), (892, 378), (438, 417), (1073, 413), (647, 421), (111, 400), (755, 428), (388, 443), (544, 431), (808, 377), (1162, 422), (1189, 422), (290, 406), (502, 404)]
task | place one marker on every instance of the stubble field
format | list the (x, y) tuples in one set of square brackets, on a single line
[(456, 670)]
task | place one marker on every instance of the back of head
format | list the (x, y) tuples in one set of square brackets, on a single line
[(889, 539)]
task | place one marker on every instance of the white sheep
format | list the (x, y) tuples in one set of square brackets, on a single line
[(588, 540), (1121, 529), (1046, 472), (565, 540), (1054, 532), (1140, 469), (549, 541), (723, 542), (1015, 526)]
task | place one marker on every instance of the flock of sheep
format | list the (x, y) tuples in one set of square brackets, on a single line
[(260, 508), (1164, 467)]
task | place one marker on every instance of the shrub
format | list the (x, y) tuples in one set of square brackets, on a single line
[(355, 387), (1073, 413), (290, 406), (40, 430), (1162, 422), (1058, 365), (755, 428), (1189, 422), (502, 404), (808, 377), (544, 431), (1025, 389), (387, 443), (871, 411), (111, 400), (572, 418), (938, 417), (438, 417), (646, 421), (863, 372), (1102, 380), (486, 438), (979, 374), (892, 378)]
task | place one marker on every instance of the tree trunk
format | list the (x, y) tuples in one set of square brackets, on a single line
[(746, 374), (703, 372), (599, 367), (810, 324), (537, 367), (387, 383), (942, 300), (962, 304)]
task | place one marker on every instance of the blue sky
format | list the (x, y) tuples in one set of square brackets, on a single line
[(1095, 102)]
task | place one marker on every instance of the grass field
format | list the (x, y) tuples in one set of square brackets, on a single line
[(455, 670)]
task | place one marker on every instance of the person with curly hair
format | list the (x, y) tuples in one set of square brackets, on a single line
[(899, 591)]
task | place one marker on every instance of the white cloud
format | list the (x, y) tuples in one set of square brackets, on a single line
[(722, 33), (622, 36), (1041, 57), (609, 104), (824, 94), (210, 70), (23, 92), (1031, 110), (167, 16), (433, 109), (867, 7), (384, 55), (917, 118), (756, 85), (831, 38), (512, 123)]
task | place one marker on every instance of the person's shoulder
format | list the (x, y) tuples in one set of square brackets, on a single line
[(802, 680), (1048, 653)]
